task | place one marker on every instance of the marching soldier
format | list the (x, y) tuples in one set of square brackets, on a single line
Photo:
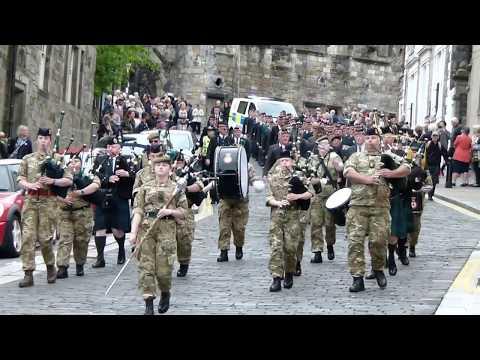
[(285, 229), (232, 220), (239, 140), (146, 174), (155, 227), (330, 164), (75, 224), (186, 227), (369, 210), (39, 208)]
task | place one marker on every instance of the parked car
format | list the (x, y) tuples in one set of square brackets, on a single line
[(11, 203)]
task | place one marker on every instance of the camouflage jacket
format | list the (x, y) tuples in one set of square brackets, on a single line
[(368, 195), (328, 189), (30, 167), (278, 185), (142, 177), (153, 196)]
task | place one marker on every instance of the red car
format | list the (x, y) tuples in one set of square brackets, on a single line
[(11, 203)]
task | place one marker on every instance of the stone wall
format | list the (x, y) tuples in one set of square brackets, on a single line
[(332, 75), (42, 107)]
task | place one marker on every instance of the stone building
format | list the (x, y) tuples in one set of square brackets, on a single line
[(332, 76), (435, 83), (37, 82), (473, 99)]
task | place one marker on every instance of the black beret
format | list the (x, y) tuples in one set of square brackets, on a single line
[(210, 128), (372, 131), (339, 137), (44, 132), (107, 140), (285, 154), (180, 157)]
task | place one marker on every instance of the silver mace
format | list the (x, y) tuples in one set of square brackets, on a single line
[(179, 188)]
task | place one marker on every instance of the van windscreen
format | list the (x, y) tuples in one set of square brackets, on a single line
[(274, 108)]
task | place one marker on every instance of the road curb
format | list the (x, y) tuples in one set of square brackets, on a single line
[(458, 203)]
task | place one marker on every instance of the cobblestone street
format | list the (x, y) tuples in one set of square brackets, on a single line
[(241, 287)]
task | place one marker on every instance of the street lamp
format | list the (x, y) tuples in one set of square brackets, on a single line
[(128, 77)]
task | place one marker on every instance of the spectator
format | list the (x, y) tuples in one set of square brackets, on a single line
[(226, 110), (3, 146), (21, 145), (147, 103), (182, 116), (106, 126), (218, 103), (143, 126), (433, 154), (462, 156), (456, 131), (198, 115), (129, 122), (476, 154)]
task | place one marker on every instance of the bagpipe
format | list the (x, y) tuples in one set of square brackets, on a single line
[(52, 167), (188, 173), (392, 162), (302, 174)]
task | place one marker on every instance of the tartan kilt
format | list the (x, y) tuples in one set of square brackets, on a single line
[(402, 216)]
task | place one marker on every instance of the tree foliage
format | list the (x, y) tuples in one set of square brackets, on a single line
[(111, 67)]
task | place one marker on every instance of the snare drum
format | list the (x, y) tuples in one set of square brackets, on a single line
[(337, 204), (231, 169)]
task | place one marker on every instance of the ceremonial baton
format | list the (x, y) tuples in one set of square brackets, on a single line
[(179, 188)]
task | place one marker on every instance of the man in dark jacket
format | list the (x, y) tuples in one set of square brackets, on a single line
[(276, 150), (21, 145)]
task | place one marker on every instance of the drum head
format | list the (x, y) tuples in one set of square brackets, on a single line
[(243, 171), (338, 198)]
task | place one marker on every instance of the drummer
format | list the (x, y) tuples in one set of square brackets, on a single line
[(325, 184), (369, 210), (233, 219)]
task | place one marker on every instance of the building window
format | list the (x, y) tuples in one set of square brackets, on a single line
[(75, 78), (68, 74), (80, 79), (437, 90), (44, 67)]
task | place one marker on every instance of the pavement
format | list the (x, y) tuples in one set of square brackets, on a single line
[(441, 268), (463, 296)]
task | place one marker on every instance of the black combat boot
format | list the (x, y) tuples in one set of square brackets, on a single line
[(371, 276), (149, 306), (392, 267), (183, 270), (331, 253), (402, 252), (298, 269), (164, 303), (121, 250), (79, 269), (238, 253), (223, 256), (100, 242), (27, 279), (317, 258), (276, 285), (51, 274), (411, 251), (62, 272), (381, 279), (357, 285), (288, 282)]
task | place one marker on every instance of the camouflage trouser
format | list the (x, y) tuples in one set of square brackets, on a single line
[(38, 222), (233, 218), (75, 230), (285, 233), (304, 220), (185, 234), (417, 225), (363, 220), (321, 218), (157, 255)]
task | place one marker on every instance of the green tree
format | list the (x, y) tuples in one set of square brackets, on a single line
[(111, 66)]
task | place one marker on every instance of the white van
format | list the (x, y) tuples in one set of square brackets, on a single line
[(240, 107)]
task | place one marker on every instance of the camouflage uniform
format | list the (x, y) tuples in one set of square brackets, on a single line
[(233, 218), (285, 228), (158, 250), (75, 226), (304, 220), (186, 233), (38, 213), (142, 177), (321, 217), (369, 214)]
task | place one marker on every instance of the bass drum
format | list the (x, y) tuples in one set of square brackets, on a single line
[(231, 169), (337, 204)]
